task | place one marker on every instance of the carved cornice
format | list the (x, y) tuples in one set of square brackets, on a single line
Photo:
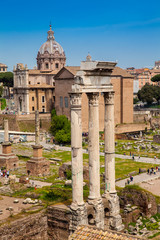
[(109, 98), (75, 99), (93, 98)]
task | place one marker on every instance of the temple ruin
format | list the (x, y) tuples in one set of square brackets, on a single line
[(100, 211)]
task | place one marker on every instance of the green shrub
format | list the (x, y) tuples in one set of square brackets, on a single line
[(3, 103)]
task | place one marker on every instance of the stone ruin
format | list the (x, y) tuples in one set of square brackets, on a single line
[(101, 211), (37, 165), (7, 159)]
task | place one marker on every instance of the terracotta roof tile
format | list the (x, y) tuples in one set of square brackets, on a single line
[(93, 233), (121, 72), (73, 69)]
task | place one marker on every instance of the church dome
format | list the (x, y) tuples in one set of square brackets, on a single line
[(51, 55), (51, 46)]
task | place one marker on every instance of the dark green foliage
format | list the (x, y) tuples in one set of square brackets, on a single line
[(7, 79), (1, 91), (135, 100), (156, 78), (58, 194), (149, 93), (3, 103), (53, 112), (69, 174), (61, 129)]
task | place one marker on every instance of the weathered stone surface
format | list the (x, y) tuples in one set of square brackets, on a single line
[(63, 169), (33, 227), (58, 222), (144, 200)]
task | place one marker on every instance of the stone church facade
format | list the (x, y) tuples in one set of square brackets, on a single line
[(34, 88)]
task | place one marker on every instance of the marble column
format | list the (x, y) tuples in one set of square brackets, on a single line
[(109, 147), (76, 145), (6, 138), (78, 208), (37, 141), (93, 147), (110, 195)]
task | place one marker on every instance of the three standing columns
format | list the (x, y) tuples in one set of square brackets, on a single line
[(78, 208)]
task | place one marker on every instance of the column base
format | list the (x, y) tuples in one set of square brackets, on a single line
[(95, 211), (112, 216), (78, 216), (38, 166)]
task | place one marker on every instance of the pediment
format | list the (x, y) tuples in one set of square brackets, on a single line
[(64, 74)]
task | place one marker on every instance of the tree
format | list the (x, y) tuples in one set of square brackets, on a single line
[(149, 93), (156, 78), (7, 79), (61, 128)]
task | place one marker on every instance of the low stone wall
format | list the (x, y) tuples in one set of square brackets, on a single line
[(131, 127), (58, 222), (33, 227), (25, 122)]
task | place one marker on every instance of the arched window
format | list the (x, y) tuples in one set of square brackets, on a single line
[(20, 82), (47, 66), (56, 65)]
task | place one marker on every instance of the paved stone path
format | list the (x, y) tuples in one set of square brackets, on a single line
[(37, 183), (139, 179)]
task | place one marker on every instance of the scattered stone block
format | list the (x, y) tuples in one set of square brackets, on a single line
[(16, 201)]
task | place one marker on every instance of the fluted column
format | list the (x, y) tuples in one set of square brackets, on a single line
[(109, 143), (93, 147), (76, 146)]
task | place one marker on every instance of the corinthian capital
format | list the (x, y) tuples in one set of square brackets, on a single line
[(75, 99), (93, 98), (109, 98)]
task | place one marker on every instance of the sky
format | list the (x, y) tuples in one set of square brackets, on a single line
[(124, 31)]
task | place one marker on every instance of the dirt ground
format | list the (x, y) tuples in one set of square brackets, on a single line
[(152, 186), (8, 202)]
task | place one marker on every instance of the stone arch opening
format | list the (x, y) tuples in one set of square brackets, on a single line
[(106, 212), (91, 220)]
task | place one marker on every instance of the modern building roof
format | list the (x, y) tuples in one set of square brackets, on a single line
[(93, 233)]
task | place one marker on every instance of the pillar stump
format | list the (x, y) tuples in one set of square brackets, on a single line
[(8, 159), (38, 165)]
